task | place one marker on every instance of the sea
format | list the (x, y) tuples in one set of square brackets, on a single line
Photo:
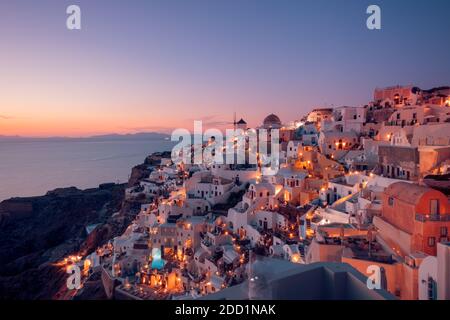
[(31, 168)]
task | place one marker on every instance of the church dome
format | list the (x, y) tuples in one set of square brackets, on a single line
[(272, 121)]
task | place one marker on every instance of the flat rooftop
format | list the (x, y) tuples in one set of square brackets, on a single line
[(283, 280)]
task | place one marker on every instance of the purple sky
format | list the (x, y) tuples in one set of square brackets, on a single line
[(154, 65)]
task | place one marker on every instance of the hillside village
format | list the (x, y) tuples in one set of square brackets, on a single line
[(356, 187)]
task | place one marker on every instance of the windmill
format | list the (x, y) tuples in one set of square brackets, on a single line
[(234, 122)]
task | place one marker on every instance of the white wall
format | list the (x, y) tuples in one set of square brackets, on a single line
[(443, 274), (427, 269)]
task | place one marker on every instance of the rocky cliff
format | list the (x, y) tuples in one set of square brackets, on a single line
[(142, 171), (39, 231)]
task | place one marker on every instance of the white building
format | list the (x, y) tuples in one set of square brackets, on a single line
[(434, 275), (349, 119)]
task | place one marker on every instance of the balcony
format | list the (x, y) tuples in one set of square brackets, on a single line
[(193, 196), (432, 217), (206, 243)]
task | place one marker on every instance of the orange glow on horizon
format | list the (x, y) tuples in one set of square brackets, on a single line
[(86, 126), (88, 123)]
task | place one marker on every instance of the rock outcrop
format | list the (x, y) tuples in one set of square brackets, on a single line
[(142, 171), (39, 231)]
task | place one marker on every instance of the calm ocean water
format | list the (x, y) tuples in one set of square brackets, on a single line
[(32, 168)]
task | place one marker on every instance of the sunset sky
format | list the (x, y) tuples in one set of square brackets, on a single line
[(155, 65)]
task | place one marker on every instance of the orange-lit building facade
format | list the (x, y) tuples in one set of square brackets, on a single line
[(419, 212)]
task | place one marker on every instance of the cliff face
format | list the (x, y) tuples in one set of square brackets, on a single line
[(142, 171), (137, 174), (36, 232)]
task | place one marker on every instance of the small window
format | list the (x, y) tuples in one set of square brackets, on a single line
[(391, 201), (444, 231), (431, 241), (434, 206), (432, 289)]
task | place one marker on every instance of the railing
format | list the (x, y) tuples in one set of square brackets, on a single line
[(193, 196), (402, 123), (206, 243), (432, 217)]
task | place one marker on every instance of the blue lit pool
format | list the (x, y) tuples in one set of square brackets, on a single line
[(158, 264), (157, 261)]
